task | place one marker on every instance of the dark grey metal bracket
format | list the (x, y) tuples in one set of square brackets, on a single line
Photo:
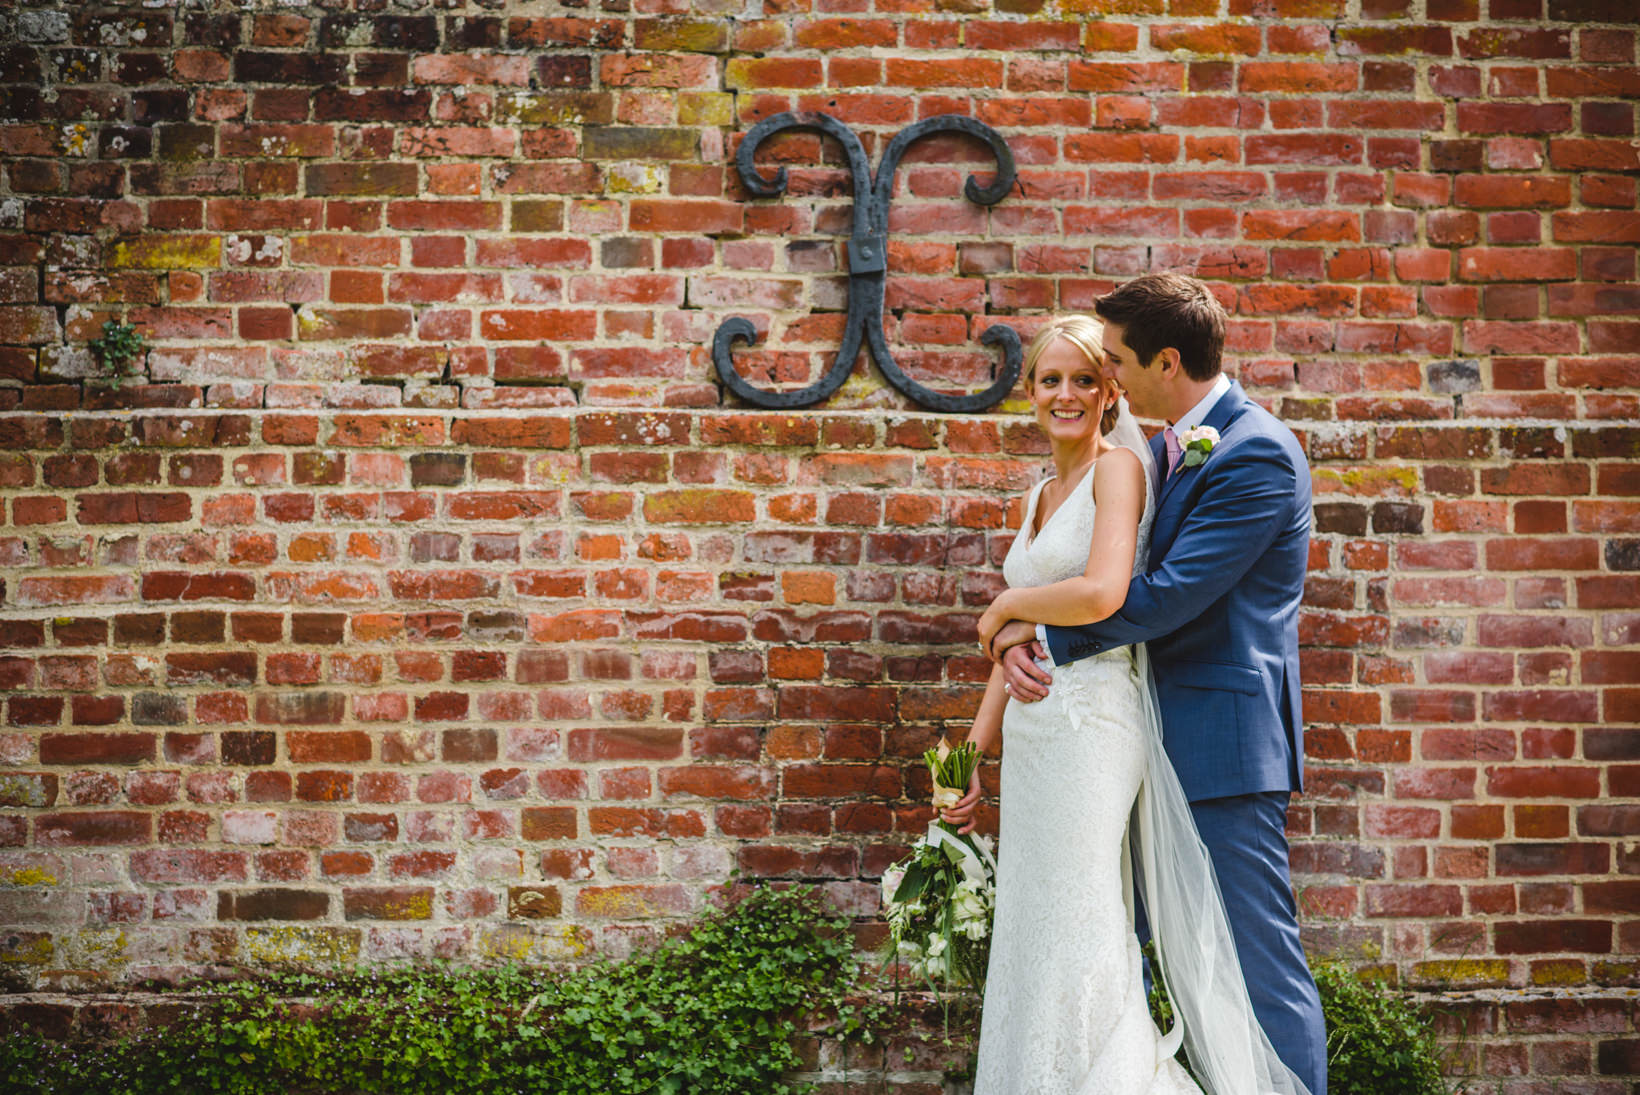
[(868, 263)]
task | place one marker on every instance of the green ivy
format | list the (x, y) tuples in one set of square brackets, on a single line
[(1378, 1041), (713, 1011), (120, 345)]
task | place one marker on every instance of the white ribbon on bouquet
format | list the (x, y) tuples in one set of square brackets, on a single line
[(964, 851)]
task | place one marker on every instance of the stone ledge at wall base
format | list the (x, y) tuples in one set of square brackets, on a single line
[(1499, 1041), (1570, 1041)]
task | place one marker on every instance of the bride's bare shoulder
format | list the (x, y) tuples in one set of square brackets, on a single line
[(1119, 480), (1120, 464)]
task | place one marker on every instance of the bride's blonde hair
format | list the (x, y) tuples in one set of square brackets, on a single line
[(1087, 335)]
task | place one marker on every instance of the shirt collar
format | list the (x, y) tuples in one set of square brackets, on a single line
[(1196, 415)]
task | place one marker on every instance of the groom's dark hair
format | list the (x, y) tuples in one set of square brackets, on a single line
[(1161, 310)]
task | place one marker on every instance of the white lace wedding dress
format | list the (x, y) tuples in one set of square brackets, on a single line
[(1065, 1010)]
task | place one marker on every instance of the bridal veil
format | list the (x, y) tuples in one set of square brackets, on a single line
[(1173, 874)]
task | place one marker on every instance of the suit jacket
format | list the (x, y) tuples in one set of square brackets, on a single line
[(1218, 605)]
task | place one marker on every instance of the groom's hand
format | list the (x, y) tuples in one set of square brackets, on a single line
[(1026, 681)]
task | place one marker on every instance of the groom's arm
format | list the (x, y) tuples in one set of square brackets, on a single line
[(1239, 514)]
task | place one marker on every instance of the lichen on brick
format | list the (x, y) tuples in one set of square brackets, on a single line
[(168, 252), (23, 789), (632, 178), (30, 876), (97, 949), (308, 947), (26, 949), (534, 943)]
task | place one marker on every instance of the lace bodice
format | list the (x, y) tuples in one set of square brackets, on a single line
[(1060, 550)]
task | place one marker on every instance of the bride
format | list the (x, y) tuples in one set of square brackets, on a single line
[(1090, 804)]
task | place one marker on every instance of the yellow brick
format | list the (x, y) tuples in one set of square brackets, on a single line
[(169, 252), (706, 108)]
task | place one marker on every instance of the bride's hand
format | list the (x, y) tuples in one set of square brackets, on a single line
[(993, 620), (1010, 634), (962, 814)]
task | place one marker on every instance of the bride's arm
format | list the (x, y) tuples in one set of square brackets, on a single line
[(987, 727), (1119, 486), (988, 721)]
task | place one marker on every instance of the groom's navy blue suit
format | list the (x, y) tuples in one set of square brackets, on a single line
[(1218, 606)]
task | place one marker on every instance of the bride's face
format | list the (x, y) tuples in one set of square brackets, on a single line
[(1068, 393)]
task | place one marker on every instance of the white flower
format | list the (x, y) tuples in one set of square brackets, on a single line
[(1198, 441), (969, 907), (936, 944), (891, 883)]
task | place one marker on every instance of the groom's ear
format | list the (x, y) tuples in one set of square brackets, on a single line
[(1169, 362)]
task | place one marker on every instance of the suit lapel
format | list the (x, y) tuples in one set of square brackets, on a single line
[(1223, 413)]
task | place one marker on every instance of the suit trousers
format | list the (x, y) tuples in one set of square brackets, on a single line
[(1246, 835)]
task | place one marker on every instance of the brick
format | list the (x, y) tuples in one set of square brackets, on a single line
[(272, 904), (639, 143), (388, 903), (92, 827), (97, 748)]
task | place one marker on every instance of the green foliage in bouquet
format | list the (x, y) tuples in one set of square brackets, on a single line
[(939, 901), (924, 923), (713, 1011)]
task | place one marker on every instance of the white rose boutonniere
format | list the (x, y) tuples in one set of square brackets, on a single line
[(1198, 442)]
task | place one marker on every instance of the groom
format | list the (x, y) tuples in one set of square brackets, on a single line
[(1218, 605)]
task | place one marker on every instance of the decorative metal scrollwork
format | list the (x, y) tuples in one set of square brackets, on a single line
[(868, 263)]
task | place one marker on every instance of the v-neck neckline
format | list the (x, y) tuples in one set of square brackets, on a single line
[(1033, 536)]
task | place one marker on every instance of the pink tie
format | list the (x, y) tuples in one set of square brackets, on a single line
[(1174, 452)]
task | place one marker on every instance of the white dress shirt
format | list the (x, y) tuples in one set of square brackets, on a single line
[(1192, 418)]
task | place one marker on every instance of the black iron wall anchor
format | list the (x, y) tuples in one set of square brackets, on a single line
[(868, 264)]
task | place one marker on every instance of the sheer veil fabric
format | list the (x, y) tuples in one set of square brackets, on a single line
[(1173, 875)]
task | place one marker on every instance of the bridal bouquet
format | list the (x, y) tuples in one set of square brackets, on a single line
[(939, 899)]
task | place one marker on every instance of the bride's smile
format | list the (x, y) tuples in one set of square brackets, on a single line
[(1068, 395)]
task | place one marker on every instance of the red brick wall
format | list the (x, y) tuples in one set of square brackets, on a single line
[(423, 595)]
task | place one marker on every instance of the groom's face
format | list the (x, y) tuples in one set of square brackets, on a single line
[(1142, 381)]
